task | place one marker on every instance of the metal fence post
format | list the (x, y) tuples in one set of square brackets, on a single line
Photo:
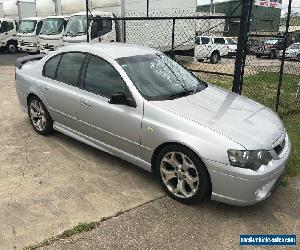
[(241, 48), (124, 31), (87, 20), (287, 26), (173, 38)]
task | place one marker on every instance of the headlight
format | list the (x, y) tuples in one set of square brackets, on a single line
[(32, 44), (251, 159)]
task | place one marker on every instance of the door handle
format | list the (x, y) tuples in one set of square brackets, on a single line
[(85, 103)]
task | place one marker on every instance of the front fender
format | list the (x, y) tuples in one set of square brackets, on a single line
[(160, 127)]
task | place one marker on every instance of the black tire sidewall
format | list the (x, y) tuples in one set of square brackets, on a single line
[(212, 58), (49, 122), (204, 178), (9, 44)]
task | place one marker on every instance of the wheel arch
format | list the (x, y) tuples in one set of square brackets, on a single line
[(161, 146)]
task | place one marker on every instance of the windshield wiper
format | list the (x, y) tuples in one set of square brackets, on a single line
[(182, 94)]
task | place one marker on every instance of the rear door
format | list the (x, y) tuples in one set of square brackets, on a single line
[(220, 45), (118, 126), (203, 47), (60, 87)]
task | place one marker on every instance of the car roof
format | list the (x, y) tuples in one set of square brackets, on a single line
[(32, 18), (114, 50), (62, 17)]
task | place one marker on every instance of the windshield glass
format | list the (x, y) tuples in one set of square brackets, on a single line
[(295, 46), (231, 41), (52, 26), (76, 25), (157, 77), (27, 26)]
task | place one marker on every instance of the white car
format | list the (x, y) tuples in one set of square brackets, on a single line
[(292, 52), (213, 48)]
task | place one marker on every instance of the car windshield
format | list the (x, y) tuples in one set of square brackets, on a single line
[(158, 77), (231, 41), (27, 26), (52, 26), (76, 26), (295, 46)]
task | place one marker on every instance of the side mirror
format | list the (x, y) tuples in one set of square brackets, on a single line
[(122, 99)]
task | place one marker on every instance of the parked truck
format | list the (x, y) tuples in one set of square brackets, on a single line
[(28, 32), (51, 36), (13, 11), (154, 33)]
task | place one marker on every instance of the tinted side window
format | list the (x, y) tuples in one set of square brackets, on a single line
[(101, 27), (219, 40), (51, 66), (69, 68), (102, 79), (204, 40)]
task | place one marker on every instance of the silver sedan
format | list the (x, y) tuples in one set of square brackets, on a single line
[(138, 104)]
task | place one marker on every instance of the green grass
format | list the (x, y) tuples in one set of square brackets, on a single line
[(262, 87)]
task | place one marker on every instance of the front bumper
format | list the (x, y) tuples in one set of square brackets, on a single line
[(29, 49), (245, 187)]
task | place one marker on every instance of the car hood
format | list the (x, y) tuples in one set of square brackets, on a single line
[(246, 122)]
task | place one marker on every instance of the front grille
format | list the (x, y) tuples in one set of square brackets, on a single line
[(48, 47), (25, 43), (279, 148)]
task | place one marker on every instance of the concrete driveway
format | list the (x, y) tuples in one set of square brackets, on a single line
[(166, 224), (49, 184)]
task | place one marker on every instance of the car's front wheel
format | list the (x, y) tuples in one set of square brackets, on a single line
[(182, 174), (39, 116)]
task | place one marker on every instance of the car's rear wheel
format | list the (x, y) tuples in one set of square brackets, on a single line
[(215, 57), (182, 174), (40, 119)]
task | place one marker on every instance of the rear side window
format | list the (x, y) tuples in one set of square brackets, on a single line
[(102, 78), (69, 68), (219, 40), (204, 40), (51, 66)]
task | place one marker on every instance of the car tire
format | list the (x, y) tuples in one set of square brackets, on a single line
[(11, 47), (39, 116), (182, 174), (258, 56), (298, 57), (200, 60), (273, 55), (215, 57)]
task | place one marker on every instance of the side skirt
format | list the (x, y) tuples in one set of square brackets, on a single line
[(102, 146)]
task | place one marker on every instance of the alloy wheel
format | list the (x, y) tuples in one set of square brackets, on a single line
[(38, 115), (179, 174), (12, 48)]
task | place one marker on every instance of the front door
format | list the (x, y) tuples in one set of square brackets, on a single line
[(118, 126)]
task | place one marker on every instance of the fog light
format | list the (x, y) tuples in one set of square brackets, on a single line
[(264, 191)]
